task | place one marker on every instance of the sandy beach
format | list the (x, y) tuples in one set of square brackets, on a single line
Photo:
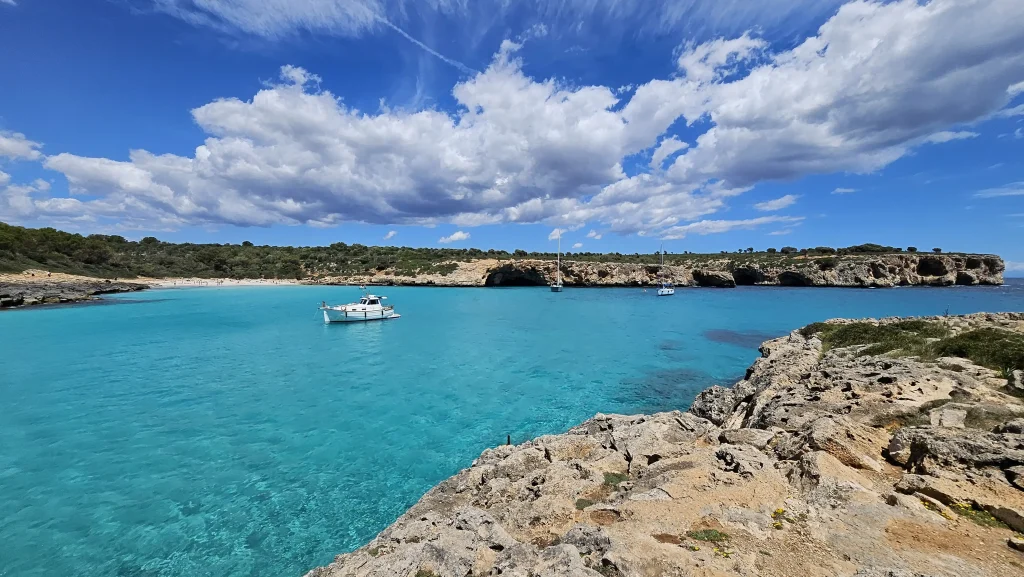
[(211, 282)]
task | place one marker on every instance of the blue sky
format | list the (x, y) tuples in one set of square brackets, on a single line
[(704, 125)]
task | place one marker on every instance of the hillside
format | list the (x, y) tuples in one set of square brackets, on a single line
[(112, 256)]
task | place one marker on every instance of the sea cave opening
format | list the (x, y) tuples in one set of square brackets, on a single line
[(504, 277)]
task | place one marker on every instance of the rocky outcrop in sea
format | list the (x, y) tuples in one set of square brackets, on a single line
[(873, 448), (36, 287), (888, 270)]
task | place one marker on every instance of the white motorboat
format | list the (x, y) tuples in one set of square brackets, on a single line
[(666, 288), (369, 308), (556, 287)]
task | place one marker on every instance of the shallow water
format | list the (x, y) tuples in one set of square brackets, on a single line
[(228, 432)]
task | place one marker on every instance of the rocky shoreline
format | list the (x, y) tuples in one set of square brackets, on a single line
[(855, 271), (35, 287), (855, 448)]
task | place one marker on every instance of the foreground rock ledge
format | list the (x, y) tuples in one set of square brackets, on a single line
[(815, 464)]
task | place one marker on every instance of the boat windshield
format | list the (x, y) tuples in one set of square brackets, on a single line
[(374, 302), (362, 301)]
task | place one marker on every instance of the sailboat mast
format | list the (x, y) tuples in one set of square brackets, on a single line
[(558, 260)]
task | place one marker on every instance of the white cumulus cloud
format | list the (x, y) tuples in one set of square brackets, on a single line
[(777, 204), (594, 235), (877, 80), (578, 245), (706, 227), (454, 237), (556, 233), (390, 235), (14, 145), (844, 190)]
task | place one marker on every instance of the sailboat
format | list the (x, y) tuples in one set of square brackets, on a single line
[(556, 287), (666, 288)]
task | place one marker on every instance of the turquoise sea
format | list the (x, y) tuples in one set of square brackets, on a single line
[(227, 432)]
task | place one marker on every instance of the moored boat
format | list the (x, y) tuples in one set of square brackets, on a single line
[(369, 308), (556, 287), (666, 288)]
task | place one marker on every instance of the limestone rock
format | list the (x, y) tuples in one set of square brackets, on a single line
[(35, 287), (948, 417), (886, 270), (1011, 426), (713, 278), (1016, 381), (742, 459), (923, 449), (1015, 475), (755, 437), (587, 539), (714, 404)]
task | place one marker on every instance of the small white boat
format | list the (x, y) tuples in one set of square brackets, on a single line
[(666, 289), (556, 287), (369, 308)]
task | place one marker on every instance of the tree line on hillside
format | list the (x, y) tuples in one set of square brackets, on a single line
[(114, 256)]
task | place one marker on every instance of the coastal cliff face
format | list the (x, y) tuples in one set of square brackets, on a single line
[(35, 287), (825, 460), (890, 270)]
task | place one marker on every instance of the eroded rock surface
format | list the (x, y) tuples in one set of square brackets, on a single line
[(816, 464)]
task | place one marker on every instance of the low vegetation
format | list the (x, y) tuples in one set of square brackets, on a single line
[(994, 348), (110, 256), (613, 479), (979, 516), (582, 504), (709, 535)]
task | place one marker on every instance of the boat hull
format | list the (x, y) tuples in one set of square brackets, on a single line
[(556, 288), (666, 292), (339, 316)]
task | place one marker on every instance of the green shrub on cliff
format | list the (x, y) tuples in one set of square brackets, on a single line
[(997, 349), (909, 336), (994, 348)]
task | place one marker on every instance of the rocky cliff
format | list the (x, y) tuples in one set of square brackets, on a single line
[(828, 459), (889, 270), (34, 287)]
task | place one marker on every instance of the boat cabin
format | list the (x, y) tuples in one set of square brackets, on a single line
[(370, 300)]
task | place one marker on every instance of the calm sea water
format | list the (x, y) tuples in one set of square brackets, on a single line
[(228, 432)]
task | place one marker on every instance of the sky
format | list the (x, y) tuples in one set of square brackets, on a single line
[(700, 125)]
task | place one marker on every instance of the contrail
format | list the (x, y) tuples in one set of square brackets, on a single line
[(428, 49)]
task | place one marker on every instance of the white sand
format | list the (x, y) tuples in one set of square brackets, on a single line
[(212, 282)]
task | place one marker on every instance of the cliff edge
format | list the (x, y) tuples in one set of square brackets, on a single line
[(887, 270), (855, 448)]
